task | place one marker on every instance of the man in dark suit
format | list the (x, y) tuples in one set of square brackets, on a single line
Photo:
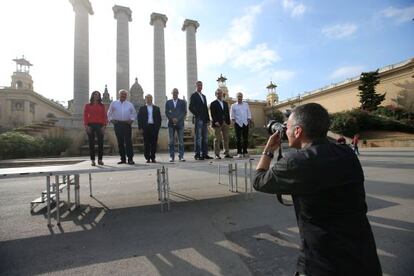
[(176, 110), (198, 107), (220, 122), (149, 120)]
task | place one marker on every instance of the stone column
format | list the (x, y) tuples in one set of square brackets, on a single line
[(159, 21), (82, 9), (123, 16), (190, 27)]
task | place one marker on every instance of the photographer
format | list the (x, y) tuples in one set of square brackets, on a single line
[(326, 182)]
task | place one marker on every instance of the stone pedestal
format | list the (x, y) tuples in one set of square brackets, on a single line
[(190, 27), (122, 16), (82, 9), (159, 21)]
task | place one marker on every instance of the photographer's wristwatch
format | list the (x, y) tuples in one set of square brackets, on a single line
[(268, 154)]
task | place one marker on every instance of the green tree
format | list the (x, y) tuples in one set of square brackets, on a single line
[(368, 98), (405, 97), (276, 115)]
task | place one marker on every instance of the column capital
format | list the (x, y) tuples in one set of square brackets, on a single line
[(121, 9), (158, 16), (189, 22), (82, 4)]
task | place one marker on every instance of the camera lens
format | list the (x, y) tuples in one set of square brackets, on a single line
[(274, 126)]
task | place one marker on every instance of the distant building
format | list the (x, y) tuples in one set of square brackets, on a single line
[(136, 95), (344, 95), (337, 97), (20, 105)]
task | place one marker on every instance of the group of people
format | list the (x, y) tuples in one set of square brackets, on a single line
[(354, 143), (121, 113)]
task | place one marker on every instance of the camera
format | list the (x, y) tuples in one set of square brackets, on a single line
[(274, 126)]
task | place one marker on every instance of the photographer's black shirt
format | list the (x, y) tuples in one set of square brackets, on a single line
[(326, 182)]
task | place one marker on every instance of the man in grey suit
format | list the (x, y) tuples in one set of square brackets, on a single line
[(176, 110)]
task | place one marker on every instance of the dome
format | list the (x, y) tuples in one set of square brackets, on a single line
[(136, 94)]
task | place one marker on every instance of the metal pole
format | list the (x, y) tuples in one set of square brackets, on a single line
[(251, 176), (77, 190), (48, 199), (218, 169), (68, 188), (158, 185), (90, 184), (245, 178), (235, 173), (230, 177), (57, 198), (167, 183)]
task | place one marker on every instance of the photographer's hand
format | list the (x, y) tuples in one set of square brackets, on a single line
[(272, 145)]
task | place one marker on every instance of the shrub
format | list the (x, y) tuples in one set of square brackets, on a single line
[(55, 145), (350, 122), (19, 145)]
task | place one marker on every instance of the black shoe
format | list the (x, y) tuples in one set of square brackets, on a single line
[(100, 162), (218, 157), (198, 158), (93, 163), (207, 157), (148, 161), (121, 162), (228, 156), (131, 162), (153, 161)]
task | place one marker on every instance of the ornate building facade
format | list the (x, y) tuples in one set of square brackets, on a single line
[(20, 105)]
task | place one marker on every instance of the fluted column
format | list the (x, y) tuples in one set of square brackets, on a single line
[(159, 22), (190, 27), (82, 9), (122, 16)]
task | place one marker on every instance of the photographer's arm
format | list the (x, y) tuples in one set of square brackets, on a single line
[(272, 145)]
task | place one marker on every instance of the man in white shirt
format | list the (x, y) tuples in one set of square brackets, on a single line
[(122, 114), (241, 117)]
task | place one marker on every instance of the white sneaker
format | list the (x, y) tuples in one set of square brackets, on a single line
[(239, 155), (171, 159), (182, 160)]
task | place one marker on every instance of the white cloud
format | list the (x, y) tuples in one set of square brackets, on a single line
[(256, 58), (283, 75), (241, 28), (400, 15), (339, 31), (235, 49), (295, 9), (346, 72)]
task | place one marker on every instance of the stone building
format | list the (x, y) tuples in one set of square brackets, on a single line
[(344, 95), (20, 105), (136, 95)]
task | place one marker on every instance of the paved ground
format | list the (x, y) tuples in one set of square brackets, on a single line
[(209, 231)]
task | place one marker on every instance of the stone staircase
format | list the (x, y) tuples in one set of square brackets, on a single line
[(46, 128)]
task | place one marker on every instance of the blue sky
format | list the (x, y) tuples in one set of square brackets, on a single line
[(299, 45)]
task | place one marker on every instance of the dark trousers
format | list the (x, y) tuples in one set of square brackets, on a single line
[(150, 133), (242, 133), (95, 130), (123, 133)]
